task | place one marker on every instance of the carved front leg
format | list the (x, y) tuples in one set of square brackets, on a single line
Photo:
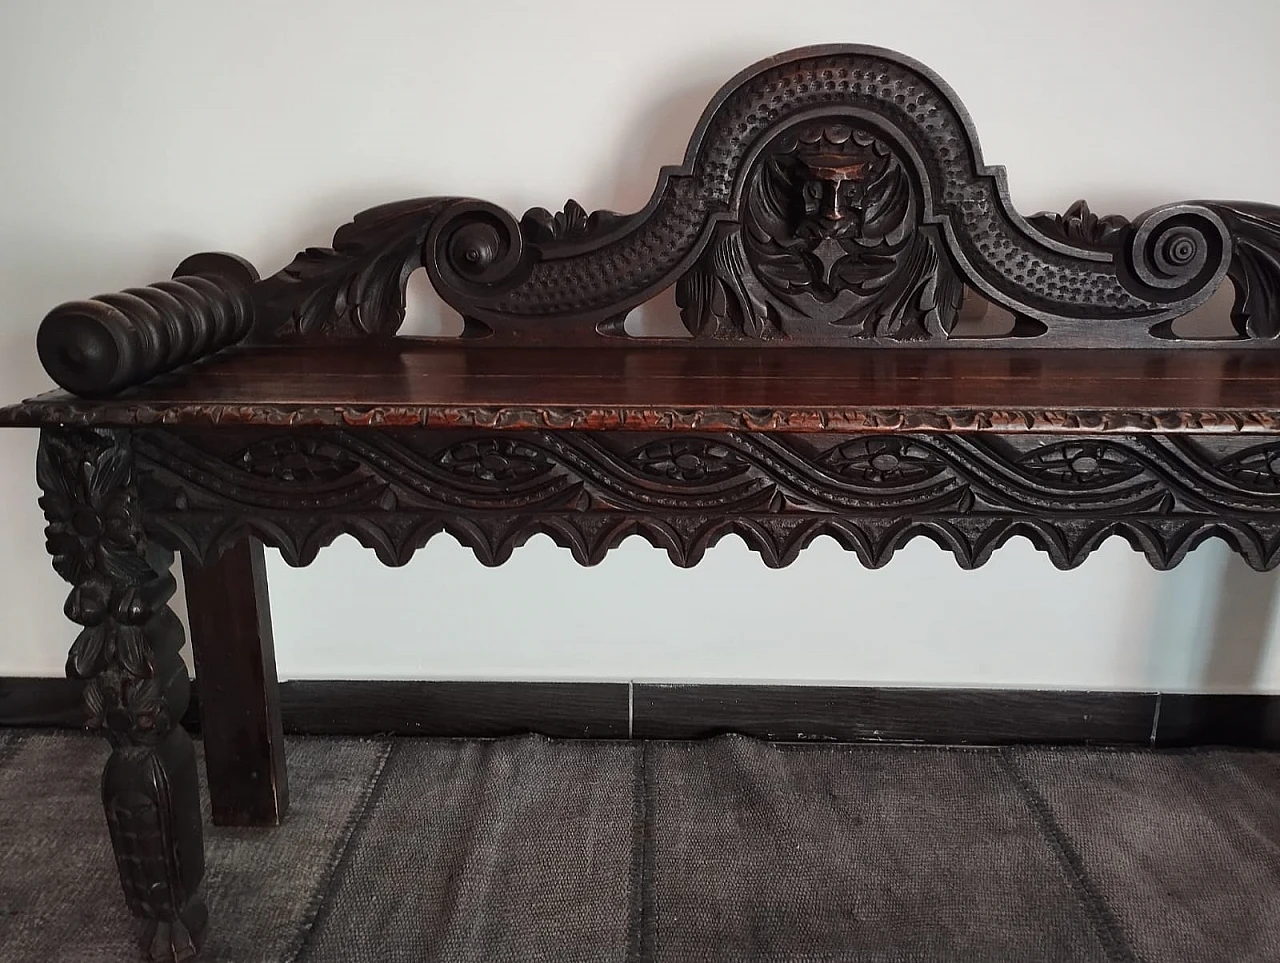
[(136, 683)]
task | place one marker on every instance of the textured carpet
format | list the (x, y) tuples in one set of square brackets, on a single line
[(726, 850)]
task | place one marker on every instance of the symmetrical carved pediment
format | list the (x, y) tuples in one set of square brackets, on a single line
[(828, 195)]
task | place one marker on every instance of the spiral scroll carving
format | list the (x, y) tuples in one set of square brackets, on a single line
[(105, 344), (1177, 250), (473, 247), (831, 194)]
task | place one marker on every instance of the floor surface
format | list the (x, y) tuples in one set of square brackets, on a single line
[(728, 850)]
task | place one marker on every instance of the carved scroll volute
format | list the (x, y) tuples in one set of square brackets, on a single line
[(479, 259), (473, 250), (1254, 266), (832, 194)]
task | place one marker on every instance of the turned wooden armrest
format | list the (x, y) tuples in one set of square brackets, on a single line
[(102, 345)]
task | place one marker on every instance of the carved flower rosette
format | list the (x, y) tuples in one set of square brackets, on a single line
[(94, 535)]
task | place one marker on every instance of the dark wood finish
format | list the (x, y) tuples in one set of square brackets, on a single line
[(1199, 719), (421, 384), (860, 714), (136, 685), (832, 194), (473, 710), (42, 703), (99, 346), (799, 713), (230, 618), (465, 710), (830, 197), (395, 489)]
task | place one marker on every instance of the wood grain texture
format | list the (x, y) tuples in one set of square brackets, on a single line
[(797, 713), (801, 713), (234, 651), (444, 709), (474, 710), (831, 196), (102, 345), (862, 714), (416, 383)]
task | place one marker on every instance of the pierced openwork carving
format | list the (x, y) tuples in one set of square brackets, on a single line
[(828, 195), (830, 240), (587, 490), (831, 195)]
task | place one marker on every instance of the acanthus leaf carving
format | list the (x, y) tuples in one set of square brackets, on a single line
[(88, 653), (714, 298), (95, 535), (356, 288), (1255, 266), (572, 224), (862, 205), (829, 244), (834, 195), (1079, 225)]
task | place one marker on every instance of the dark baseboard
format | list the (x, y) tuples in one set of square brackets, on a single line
[(573, 710), (576, 710), (49, 703), (841, 714), (784, 713)]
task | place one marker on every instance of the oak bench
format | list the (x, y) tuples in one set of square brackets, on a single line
[(879, 346)]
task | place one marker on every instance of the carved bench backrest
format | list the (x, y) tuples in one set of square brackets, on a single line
[(832, 195)]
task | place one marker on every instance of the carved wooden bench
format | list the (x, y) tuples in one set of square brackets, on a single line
[(832, 199)]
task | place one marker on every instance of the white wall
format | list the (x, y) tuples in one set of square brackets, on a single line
[(138, 132)]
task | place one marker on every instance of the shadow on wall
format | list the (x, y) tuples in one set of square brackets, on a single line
[(1240, 626), (1213, 624)]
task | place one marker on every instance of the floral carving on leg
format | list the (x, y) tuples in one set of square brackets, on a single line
[(136, 682)]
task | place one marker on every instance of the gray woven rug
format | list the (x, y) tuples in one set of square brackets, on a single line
[(727, 850)]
